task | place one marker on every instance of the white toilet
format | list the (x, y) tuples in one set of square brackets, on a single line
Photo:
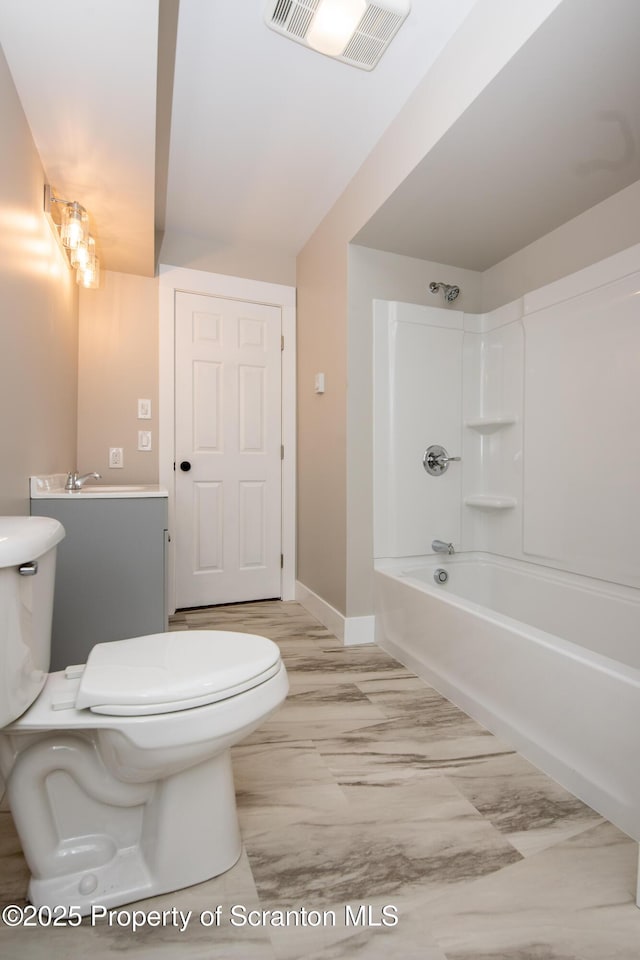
[(118, 772)]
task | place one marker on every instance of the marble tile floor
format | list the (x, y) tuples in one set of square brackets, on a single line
[(377, 819)]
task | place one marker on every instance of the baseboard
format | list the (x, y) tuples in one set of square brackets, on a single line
[(321, 610), (349, 630), (359, 630)]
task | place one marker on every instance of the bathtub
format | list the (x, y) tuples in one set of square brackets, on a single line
[(548, 661)]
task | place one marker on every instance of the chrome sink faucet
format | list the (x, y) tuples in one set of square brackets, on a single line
[(77, 482), (439, 546)]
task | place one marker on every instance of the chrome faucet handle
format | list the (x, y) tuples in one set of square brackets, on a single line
[(436, 460)]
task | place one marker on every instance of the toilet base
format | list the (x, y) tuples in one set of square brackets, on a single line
[(146, 839), (123, 880)]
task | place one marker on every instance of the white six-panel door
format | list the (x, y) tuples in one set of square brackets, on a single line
[(228, 450)]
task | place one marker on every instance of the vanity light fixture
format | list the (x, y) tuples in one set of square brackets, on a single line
[(71, 227), (356, 32)]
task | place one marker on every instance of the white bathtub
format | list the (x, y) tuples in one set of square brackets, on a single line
[(548, 661)]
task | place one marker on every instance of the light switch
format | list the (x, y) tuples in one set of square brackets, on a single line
[(319, 383), (144, 409), (144, 439)]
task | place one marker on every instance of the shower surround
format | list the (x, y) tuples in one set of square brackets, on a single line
[(536, 632)]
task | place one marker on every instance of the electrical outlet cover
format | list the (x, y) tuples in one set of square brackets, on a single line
[(116, 457)]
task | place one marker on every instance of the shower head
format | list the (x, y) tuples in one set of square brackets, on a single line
[(449, 290)]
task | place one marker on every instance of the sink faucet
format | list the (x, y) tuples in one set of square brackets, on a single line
[(439, 546), (77, 482)]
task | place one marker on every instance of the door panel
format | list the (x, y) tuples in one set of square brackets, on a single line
[(228, 428)]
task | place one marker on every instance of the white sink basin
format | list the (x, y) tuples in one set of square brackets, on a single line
[(111, 488), (100, 491)]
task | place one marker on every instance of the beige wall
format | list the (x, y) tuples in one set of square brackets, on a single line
[(321, 424), (460, 74), (118, 364), (200, 253), (605, 229), (38, 325)]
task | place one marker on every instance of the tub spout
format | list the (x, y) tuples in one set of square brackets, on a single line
[(439, 546)]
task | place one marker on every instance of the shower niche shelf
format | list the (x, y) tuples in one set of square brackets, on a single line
[(489, 424), (490, 501)]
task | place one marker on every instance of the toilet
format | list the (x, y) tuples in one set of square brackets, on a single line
[(118, 771)]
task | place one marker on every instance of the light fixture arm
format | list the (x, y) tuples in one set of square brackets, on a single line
[(49, 198), (67, 203)]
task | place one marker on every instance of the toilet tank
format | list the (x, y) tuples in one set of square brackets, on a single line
[(27, 574)]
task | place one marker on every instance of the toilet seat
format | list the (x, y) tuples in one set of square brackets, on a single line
[(169, 672)]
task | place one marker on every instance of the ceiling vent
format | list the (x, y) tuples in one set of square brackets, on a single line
[(374, 26)]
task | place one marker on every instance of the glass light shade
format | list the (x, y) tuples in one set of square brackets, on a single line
[(89, 275), (334, 24), (83, 252), (75, 225)]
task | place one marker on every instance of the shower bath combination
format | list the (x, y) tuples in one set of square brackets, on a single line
[(518, 606), (449, 290)]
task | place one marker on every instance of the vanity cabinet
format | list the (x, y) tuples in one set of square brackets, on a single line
[(110, 571)]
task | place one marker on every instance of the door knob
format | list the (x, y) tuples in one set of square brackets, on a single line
[(185, 466)]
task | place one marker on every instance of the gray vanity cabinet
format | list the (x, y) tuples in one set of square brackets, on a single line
[(110, 572)]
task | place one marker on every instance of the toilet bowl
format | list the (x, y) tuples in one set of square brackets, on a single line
[(118, 772)]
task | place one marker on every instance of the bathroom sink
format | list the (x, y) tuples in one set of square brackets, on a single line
[(104, 491), (52, 488)]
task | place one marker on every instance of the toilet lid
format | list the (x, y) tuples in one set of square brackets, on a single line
[(166, 672)]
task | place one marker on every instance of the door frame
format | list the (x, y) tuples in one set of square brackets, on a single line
[(174, 280)]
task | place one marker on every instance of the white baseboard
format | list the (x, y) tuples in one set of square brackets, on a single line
[(321, 610), (359, 630), (349, 630)]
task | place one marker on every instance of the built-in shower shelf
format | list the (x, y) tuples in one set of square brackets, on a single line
[(490, 502), (489, 424)]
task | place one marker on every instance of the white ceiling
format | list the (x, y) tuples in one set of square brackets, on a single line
[(264, 134), (193, 118), (556, 132)]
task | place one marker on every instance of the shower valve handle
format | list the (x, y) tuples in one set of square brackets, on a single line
[(436, 460)]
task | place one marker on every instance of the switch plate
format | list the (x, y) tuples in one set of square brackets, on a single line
[(116, 457), (144, 409), (319, 383), (144, 440)]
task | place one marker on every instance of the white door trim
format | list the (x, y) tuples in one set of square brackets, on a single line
[(172, 279)]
